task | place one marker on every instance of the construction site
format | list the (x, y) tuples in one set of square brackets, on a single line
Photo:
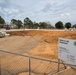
[(34, 52)]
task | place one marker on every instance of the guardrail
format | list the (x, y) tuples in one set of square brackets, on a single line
[(14, 64)]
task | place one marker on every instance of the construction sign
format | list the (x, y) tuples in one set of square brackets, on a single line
[(67, 50)]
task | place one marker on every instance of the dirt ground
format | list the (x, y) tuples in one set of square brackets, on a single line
[(38, 43), (47, 45), (35, 42)]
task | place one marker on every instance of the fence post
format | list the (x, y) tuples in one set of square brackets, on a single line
[(64, 65), (0, 66), (58, 64), (29, 66)]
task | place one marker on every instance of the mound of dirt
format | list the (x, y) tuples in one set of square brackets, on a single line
[(48, 48), (50, 36), (35, 43), (43, 49), (19, 44)]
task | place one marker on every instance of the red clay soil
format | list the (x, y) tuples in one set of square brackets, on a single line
[(48, 48), (35, 43)]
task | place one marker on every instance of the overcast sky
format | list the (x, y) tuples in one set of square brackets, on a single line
[(39, 10)]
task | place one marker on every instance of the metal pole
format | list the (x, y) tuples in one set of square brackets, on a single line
[(29, 66), (0, 66), (58, 64), (64, 65)]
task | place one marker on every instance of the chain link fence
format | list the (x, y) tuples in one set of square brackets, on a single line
[(17, 64)]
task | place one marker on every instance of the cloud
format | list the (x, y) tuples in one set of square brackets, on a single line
[(39, 10), (46, 8), (65, 14), (2, 1)]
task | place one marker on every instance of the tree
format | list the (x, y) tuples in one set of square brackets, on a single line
[(42, 25), (59, 25), (74, 26), (2, 21), (68, 25), (28, 23), (49, 26), (45, 25), (19, 24), (35, 25), (14, 21)]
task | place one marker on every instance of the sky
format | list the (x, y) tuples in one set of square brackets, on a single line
[(39, 10)]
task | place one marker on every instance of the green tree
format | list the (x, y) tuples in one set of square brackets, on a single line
[(45, 25), (28, 23), (68, 25), (35, 25), (2, 21), (74, 26), (42, 25), (19, 24), (59, 25), (14, 21)]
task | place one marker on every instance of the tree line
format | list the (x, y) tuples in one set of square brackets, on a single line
[(28, 23)]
